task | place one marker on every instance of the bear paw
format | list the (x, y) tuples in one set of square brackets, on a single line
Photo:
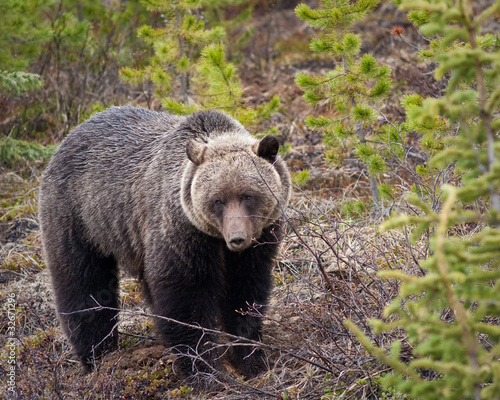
[(252, 364)]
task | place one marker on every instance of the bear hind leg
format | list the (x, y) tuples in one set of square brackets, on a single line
[(83, 283)]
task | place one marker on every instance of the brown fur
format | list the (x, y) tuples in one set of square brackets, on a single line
[(179, 203)]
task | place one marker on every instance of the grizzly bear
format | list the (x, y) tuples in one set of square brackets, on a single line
[(190, 206)]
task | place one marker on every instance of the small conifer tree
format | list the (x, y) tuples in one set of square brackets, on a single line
[(220, 88), (451, 314), (351, 90), (186, 49), (176, 46)]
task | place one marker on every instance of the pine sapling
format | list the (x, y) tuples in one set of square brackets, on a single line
[(176, 46), (220, 88), (188, 51), (351, 91)]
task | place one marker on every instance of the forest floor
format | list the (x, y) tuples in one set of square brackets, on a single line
[(326, 271)]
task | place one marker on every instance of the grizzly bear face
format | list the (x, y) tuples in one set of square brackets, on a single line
[(231, 188)]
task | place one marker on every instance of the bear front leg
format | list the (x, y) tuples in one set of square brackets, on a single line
[(185, 286), (249, 283)]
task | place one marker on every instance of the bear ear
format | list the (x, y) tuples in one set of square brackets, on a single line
[(267, 148), (196, 152)]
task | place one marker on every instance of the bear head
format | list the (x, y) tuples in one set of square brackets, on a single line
[(234, 186)]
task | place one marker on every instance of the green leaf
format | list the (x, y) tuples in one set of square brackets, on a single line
[(362, 113), (351, 44), (306, 81), (385, 191), (364, 152), (381, 89), (178, 108), (376, 165), (301, 178), (323, 46), (368, 65)]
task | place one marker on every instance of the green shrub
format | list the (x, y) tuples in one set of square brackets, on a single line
[(22, 33), (19, 81), (15, 153), (23, 30)]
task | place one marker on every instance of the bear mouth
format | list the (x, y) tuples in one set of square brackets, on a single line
[(238, 241)]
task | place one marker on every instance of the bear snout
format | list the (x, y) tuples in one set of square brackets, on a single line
[(237, 226), (238, 241)]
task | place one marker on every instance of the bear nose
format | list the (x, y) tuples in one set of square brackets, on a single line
[(237, 240)]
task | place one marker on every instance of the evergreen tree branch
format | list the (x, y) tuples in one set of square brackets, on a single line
[(442, 263), (484, 114), (381, 354)]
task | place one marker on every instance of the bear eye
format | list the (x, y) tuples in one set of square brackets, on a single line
[(218, 203), (247, 197)]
